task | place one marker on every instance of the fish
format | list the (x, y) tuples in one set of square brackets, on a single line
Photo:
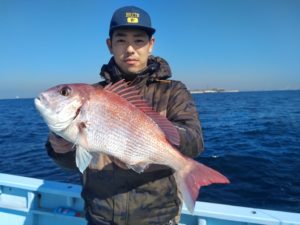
[(115, 120)]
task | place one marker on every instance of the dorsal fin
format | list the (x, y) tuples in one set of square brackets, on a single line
[(131, 94)]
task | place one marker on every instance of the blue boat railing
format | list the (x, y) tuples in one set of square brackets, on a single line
[(31, 201)]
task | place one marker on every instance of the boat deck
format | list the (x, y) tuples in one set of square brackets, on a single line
[(30, 201)]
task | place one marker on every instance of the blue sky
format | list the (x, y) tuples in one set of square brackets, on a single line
[(232, 44)]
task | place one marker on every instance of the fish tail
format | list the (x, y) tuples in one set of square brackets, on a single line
[(190, 179)]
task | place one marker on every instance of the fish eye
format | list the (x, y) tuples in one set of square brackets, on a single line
[(65, 91)]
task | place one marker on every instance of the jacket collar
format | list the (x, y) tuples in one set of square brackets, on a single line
[(157, 69)]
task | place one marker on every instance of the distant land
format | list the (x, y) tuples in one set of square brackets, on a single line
[(211, 90)]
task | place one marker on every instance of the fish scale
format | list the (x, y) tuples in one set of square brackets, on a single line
[(122, 129)]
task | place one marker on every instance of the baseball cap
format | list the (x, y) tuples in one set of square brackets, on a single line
[(131, 17)]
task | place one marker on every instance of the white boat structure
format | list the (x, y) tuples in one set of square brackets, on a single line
[(30, 201)]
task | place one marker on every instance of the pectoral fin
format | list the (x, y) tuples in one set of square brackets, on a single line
[(83, 158)]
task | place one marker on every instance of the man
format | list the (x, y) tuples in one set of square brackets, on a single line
[(113, 193)]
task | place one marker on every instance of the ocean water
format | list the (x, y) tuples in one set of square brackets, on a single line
[(251, 137)]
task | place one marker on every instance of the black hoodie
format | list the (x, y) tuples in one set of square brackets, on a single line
[(114, 195)]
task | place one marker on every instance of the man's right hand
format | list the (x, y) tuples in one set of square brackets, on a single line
[(59, 144)]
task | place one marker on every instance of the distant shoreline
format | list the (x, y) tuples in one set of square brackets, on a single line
[(195, 91), (214, 90)]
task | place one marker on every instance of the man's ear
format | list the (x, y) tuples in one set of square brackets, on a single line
[(109, 45), (152, 41)]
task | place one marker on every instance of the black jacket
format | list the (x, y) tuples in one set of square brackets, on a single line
[(120, 196)]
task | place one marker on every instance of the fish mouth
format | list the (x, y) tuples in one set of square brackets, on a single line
[(38, 102)]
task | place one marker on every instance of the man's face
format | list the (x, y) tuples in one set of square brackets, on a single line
[(130, 48)]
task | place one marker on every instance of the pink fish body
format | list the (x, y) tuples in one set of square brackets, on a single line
[(116, 121)]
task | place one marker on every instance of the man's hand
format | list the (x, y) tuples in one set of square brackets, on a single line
[(59, 144)]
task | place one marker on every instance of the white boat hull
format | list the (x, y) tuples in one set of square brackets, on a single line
[(30, 201)]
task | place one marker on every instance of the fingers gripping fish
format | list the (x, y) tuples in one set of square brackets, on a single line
[(116, 121)]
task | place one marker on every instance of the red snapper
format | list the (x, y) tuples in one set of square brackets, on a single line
[(116, 121)]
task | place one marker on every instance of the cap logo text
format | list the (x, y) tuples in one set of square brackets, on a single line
[(132, 17)]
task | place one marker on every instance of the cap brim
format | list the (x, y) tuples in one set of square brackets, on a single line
[(149, 30)]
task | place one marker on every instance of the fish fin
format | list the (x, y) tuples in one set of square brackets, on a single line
[(139, 167), (194, 175), (131, 94), (83, 158), (82, 134)]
